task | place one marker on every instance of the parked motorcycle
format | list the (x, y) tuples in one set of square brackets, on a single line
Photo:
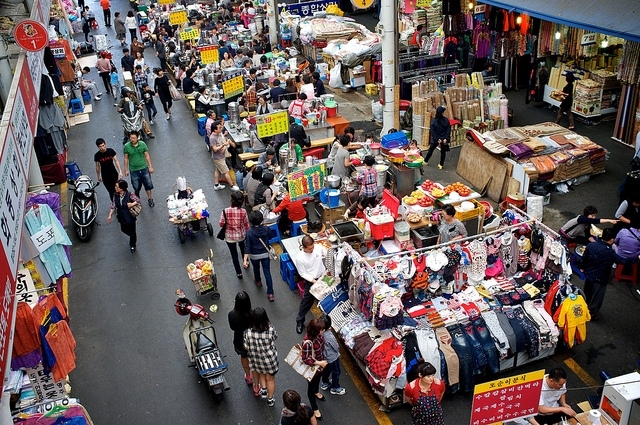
[(202, 344), (132, 118), (83, 206)]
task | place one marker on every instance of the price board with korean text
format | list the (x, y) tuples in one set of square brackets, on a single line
[(44, 386), (190, 33), (272, 124), (306, 182), (178, 17), (166, 2), (507, 399), (209, 54), (25, 288), (232, 85)]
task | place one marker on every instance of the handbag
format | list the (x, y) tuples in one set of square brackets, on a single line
[(135, 210), (175, 94), (222, 233), (294, 359), (272, 252)]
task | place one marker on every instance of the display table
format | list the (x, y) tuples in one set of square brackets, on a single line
[(339, 123), (551, 101), (583, 419), (292, 246), (238, 137)]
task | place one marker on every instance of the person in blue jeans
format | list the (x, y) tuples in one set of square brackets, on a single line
[(331, 355), (256, 246)]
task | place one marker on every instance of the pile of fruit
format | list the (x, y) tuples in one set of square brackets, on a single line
[(428, 185), (418, 197), (458, 187), (413, 218), (199, 268)]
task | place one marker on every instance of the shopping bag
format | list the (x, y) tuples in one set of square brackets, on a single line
[(175, 94), (294, 359)]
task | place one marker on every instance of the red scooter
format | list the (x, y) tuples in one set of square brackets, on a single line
[(202, 344)]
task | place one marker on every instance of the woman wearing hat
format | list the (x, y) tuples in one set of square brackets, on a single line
[(450, 227)]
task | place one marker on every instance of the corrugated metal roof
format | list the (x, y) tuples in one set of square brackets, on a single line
[(619, 18)]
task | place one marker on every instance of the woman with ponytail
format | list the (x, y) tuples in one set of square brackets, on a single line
[(295, 412)]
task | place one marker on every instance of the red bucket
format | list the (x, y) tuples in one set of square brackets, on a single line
[(332, 111)]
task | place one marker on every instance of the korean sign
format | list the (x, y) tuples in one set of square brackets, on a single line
[(232, 85), (25, 288), (178, 17), (43, 384), (307, 8), (272, 124), (306, 182), (506, 399), (190, 34), (209, 54)]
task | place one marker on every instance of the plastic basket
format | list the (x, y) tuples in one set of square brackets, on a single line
[(471, 214)]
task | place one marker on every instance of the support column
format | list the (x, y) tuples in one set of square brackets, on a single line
[(389, 34), (274, 25), (6, 76)]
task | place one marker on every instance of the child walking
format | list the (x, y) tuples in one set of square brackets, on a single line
[(114, 79), (147, 98), (331, 354)]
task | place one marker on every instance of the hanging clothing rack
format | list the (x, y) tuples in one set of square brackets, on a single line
[(354, 255), (65, 401)]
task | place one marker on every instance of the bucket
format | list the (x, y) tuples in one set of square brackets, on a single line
[(516, 199), (330, 197), (381, 178), (332, 111)]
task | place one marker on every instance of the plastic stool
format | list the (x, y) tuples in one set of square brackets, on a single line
[(621, 275), (295, 227), (277, 237), (76, 106), (72, 170), (86, 96)]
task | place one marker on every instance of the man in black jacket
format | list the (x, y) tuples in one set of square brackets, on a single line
[(296, 131), (597, 261), (127, 62)]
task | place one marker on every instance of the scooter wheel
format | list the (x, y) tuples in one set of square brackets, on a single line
[(181, 235), (84, 233), (215, 296)]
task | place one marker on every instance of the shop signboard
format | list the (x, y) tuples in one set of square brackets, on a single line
[(423, 3), (232, 85), (25, 288), (44, 385), (588, 39), (61, 49), (507, 399), (178, 17), (190, 34), (309, 7), (272, 124), (209, 54), (166, 2), (308, 181)]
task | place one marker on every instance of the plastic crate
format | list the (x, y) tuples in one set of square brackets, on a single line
[(201, 126), (471, 214), (385, 230)]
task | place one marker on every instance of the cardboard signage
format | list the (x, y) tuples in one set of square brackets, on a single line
[(190, 34), (43, 384), (178, 17), (272, 124), (209, 54), (25, 288), (507, 399)]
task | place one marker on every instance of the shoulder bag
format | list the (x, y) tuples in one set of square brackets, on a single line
[(175, 94), (134, 210), (222, 233), (272, 252), (294, 359)]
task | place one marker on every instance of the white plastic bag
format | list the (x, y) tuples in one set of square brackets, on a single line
[(534, 206), (335, 81), (376, 110)]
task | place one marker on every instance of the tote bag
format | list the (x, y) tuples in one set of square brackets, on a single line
[(294, 359)]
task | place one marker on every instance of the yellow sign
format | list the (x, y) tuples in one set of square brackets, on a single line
[(232, 85), (423, 3), (209, 54), (190, 34), (363, 4), (178, 17), (163, 2), (272, 124)]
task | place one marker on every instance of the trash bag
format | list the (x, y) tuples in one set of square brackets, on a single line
[(335, 80), (540, 187), (377, 110)]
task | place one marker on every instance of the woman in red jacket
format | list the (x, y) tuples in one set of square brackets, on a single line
[(291, 211)]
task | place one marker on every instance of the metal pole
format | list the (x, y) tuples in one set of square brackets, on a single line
[(6, 75), (387, 30)]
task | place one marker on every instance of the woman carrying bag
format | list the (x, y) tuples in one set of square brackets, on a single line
[(123, 201), (440, 136), (256, 249), (312, 354), (236, 223)]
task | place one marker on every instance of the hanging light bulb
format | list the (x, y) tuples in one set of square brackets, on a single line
[(604, 43), (557, 35), (470, 5), (519, 19)]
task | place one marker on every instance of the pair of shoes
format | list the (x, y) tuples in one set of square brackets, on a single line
[(151, 136), (271, 297), (151, 122), (325, 387), (263, 393), (256, 391), (248, 379), (235, 188), (338, 391), (218, 187), (258, 283), (239, 276), (323, 398), (439, 167), (299, 327), (271, 401), (133, 249), (97, 97), (151, 203)]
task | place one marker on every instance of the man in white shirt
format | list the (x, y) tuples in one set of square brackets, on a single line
[(310, 266), (553, 404)]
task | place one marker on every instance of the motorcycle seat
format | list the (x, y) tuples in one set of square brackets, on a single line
[(203, 343)]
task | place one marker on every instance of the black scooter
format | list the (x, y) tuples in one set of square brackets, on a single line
[(83, 206)]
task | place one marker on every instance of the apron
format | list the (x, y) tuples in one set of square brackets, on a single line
[(427, 411)]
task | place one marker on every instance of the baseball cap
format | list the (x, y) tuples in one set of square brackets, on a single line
[(250, 163)]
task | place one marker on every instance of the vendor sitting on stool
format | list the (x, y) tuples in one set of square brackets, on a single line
[(289, 211), (368, 179)]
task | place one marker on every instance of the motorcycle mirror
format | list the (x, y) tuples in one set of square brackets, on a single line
[(213, 308)]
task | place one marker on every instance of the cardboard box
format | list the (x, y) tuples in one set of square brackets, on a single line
[(367, 72), (357, 81)]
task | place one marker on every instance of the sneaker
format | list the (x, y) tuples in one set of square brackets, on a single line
[(168, 116), (218, 187), (270, 297), (338, 391), (115, 104), (99, 94), (439, 167), (263, 393), (97, 98), (271, 401), (151, 122), (133, 249), (151, 136), (325, 387), (235, 188), (151, 203)]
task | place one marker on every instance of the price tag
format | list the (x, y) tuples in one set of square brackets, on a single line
[(178, 17), (232, 85), (423, 3), (190, 34), (25, 288), (272, 124), (43, 239), (209, 54)]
